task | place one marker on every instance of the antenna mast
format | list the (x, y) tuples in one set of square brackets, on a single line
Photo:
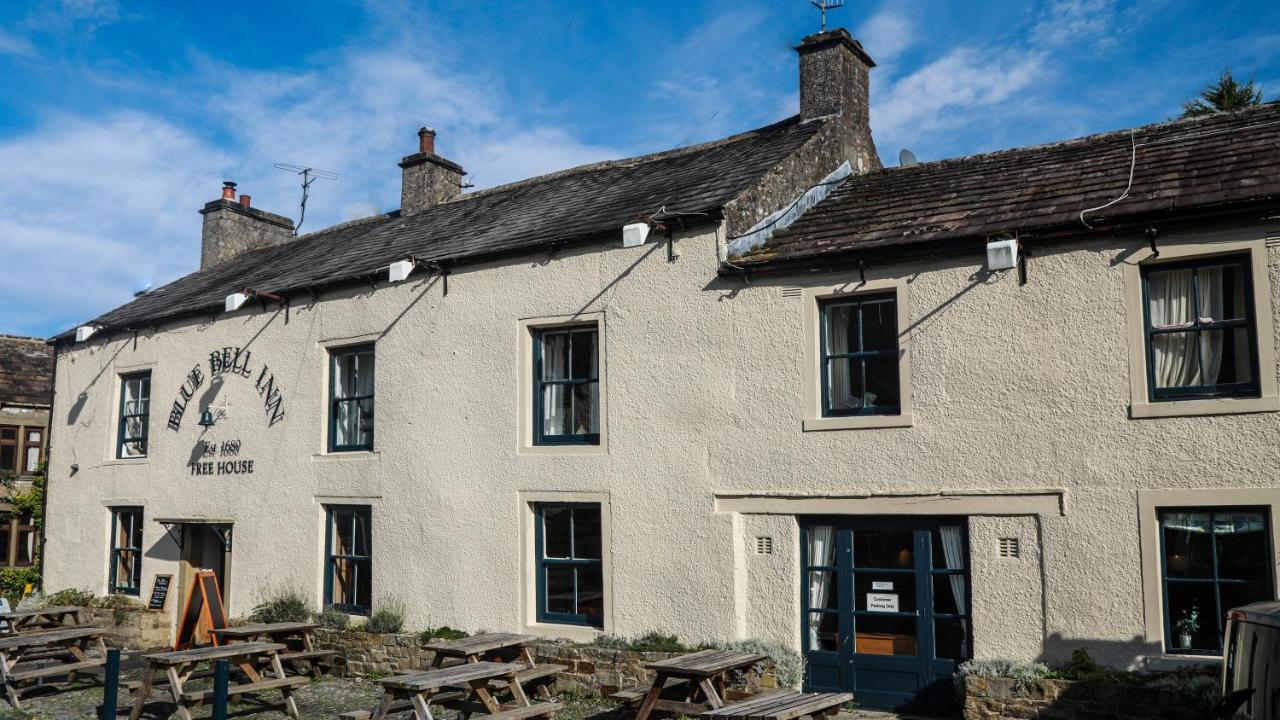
[(309, 175), (825, 5)]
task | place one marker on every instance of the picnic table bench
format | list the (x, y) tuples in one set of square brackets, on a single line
[(296, 634), (782, 705), (498, 647), (699, 677), (178, 668), (415, 691), (18, 621), (69, 647)]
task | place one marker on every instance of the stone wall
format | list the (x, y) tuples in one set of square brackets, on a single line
[(1008, 699), (589, 667), (131, 628)]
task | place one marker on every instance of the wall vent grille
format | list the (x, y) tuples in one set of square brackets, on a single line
[(764, 545), (1010, 547), (790, 292)]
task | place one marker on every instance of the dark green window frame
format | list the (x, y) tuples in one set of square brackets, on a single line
[(126, 521), (1217, 613), (1249, 323), (540, 437), (358, 563), (860, 357), (338, 399), (573, 561), (140, 411)]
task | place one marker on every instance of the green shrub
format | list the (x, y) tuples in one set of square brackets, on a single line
[(444, 632), (1196, 689), (69, 596), (612, 642), (282, 605), (387, 618), (788, 665), (332, 618), (1021, 672), (14, 581), (120, 605)]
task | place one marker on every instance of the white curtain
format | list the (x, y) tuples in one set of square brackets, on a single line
[(364, 387), (342, 430), (953, 554), (822, 551), (1211, 308), (1171, 306), (838, 371), (554, 353)]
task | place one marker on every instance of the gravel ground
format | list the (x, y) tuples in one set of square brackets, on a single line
[(323, 698)]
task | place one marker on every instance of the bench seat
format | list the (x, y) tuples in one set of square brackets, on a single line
[(637, 694), (542, 709), (50, 670), (265, 684)]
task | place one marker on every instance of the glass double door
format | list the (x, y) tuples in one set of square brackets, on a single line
[(886, 608)]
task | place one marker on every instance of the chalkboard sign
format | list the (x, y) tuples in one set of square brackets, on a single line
[(160, 592), (204, 602)]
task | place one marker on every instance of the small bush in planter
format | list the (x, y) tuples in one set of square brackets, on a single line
[(120, 605), (70, 596), (444, 632), (282, 605), (388, 618), (788, 666), (332, 619)]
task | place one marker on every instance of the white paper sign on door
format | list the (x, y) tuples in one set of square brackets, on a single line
[(882, 602), (881, 585)]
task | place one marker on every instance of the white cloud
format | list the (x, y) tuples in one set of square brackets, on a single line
[(1074, 21), (886, 35), (950, 91), (11, 44)]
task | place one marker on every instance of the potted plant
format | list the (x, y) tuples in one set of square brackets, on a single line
[(1187, 627)]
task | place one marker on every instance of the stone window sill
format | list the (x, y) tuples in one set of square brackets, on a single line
[(600, 449), (857, 422), (575, 633), (1215, 406), (354, 455)]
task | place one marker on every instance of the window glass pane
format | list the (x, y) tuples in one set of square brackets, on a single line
[(879, 592), (1176, 359), (1170, 299), (1187, 544), (33, 436), (882, 382), (1222, 293), (585, 411), (586, 533), (33, 460), (360, 533), (362, 592), (8, 457), (26, 546), (885, 635), (557, 532), (948, 547), (364, 374), (364, 422), (1242, 546), (1235, 595), (591, 593), (5, 529), (822, 590), (951, 639), (555, 355), (841, 328), (9, 434), (343, 570), (879, 326), (559, 589), (1192, 616), (557, 410), (824, 631), (949, 594), (582, 363), (844, 384), (887, 548), (343, 541)]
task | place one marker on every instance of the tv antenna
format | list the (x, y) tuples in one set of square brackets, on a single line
[(309, 175), (825, 5)]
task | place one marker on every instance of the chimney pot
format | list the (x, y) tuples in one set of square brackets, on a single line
[(228, 190), (426, 140), (244, 200)]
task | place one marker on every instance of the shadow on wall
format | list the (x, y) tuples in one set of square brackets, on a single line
[(1132, 654)]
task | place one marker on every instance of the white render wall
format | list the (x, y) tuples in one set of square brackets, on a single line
[(1014, 388)]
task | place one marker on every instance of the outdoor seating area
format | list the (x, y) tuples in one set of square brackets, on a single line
[(44, 644)]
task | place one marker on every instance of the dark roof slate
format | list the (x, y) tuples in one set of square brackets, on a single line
[(26, 370), (564, 207), (1184, 165)]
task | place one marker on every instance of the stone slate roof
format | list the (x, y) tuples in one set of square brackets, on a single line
[(1215, 162), (26, 371), (577, 205)]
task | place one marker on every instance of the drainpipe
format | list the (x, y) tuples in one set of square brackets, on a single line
[(48, 455)]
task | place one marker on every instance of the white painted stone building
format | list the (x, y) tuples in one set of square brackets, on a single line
[(853, 436)]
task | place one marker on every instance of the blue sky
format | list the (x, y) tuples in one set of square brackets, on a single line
[(119, 120)]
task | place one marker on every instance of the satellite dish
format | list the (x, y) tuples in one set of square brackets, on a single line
[(907, 158)]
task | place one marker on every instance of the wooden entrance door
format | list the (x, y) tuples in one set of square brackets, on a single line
[(885, 605)]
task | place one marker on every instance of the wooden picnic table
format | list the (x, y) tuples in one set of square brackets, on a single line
[(18, 621), (295, 634), (69, 646), (416, 690), (499, 647), (178, 667), (700, 677), (782, 705)]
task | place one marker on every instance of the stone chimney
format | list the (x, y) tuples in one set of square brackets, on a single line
[(427, 178), (232, 227), (835, 80)]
